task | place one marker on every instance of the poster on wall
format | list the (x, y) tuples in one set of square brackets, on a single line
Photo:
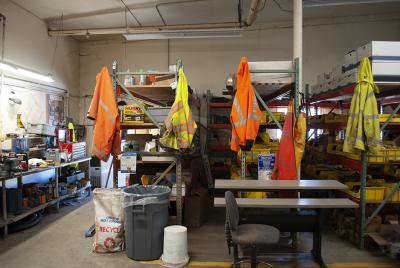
[(55, 109)]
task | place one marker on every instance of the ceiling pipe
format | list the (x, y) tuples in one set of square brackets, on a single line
[(254, 6), (132, 30)]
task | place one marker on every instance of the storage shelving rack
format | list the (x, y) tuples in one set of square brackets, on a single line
[(293, 88), (270, 99), (388, 95), (7, 219), (132, 92)]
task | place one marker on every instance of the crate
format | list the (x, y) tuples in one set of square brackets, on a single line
[(371, 193), (384, 117), (278, 115), (252, 156), (374, 159), (393, 154), (388, 189)]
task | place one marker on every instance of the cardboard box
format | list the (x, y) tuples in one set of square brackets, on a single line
[(164, 80), (133, 114), (381, 49), (196, 207), (350, 59)]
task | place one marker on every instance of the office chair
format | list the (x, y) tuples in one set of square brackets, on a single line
[(252, 235)]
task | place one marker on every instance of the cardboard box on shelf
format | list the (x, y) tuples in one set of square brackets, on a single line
[(132, 114), (196, 207), (165, 80), (337, 72), (350, 59), (381, 49)]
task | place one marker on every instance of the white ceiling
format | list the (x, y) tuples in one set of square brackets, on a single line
[(83, 14)]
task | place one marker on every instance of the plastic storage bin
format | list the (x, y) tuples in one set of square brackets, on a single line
[(146, 216), (371, 193), (389, 187)]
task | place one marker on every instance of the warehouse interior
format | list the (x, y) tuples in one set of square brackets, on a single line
[(200, 133)]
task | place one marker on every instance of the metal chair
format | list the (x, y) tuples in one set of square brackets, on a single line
[(252, 235)]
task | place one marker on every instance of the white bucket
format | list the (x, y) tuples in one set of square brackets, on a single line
[(175, 252)]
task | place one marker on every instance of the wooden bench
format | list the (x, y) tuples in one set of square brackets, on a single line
[(279, 185), (302, 203)]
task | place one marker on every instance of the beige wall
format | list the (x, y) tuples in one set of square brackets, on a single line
[(207, 62), (28, 45)]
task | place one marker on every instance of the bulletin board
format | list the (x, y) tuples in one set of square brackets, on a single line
[(55, 109)]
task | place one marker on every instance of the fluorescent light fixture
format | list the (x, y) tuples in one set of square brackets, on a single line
[(321, 3), (184, 34), (24, 72)]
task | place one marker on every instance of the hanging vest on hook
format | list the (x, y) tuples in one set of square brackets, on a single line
[(245, 115)]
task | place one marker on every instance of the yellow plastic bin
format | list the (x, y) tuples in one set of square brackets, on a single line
[(389, 187), (371, 193)]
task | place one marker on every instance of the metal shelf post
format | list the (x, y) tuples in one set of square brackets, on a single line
[(362, 197)]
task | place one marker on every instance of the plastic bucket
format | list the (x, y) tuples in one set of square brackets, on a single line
[(175, 246)]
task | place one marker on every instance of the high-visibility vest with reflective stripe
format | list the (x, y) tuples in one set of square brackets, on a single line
[(245, 115), (103, 109), (180, 126), (363, 129)]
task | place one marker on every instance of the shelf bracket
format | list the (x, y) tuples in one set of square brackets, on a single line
[(267, 109)]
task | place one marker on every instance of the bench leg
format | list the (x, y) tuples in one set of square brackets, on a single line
[(317, 240), (253, 256)]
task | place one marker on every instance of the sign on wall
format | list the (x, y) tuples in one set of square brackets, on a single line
[(55, 109)]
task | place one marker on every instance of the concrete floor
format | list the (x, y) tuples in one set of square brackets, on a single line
[(58, 241)]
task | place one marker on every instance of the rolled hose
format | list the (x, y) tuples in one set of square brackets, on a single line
[(26, 223)]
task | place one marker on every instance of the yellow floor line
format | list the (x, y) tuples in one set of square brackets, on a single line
[(309, 265)]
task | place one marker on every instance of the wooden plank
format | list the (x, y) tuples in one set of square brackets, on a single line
[(260, 185), (312, 203)]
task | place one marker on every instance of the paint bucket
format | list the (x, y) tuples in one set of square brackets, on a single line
[(175, 246)]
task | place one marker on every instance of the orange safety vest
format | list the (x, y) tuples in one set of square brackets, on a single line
[(291, 146), (245, 114), (103, 109)]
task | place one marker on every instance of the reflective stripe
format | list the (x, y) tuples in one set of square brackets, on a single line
[(254, 115), (370, 94), (234, 137), (105, 108), (368, 117), (175, 108), (100, 153), (242, 120)]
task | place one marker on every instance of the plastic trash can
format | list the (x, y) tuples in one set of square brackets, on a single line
[(146, 216)]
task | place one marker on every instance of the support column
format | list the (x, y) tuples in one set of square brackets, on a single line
[(298, 37)]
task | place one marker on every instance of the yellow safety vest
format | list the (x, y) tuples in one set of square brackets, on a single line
[(180, 126), (363, 123)]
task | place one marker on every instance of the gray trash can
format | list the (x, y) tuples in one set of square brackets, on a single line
[(146, 216)]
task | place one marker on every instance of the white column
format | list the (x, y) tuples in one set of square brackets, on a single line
[(298, 36)]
